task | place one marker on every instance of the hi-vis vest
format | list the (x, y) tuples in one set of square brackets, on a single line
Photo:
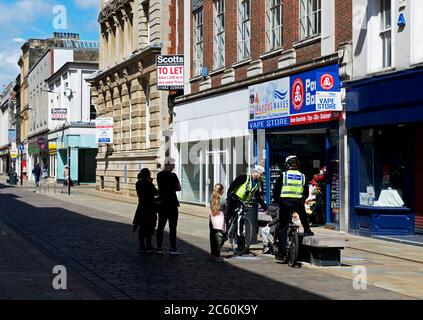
[(245, 191), (293, 184)]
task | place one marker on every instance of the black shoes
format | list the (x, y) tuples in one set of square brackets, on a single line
[(281, 259)]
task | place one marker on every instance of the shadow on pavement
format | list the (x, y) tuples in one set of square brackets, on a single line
[(104, 253)]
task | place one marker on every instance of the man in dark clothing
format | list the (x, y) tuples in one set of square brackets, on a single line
[(37, 173), (168, 184), (243, 189), (291, 189)]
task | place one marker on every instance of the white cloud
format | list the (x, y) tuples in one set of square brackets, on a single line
[(23, 12), (19, 40), (87, 4)]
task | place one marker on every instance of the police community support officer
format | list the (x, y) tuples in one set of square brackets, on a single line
[(291, 189), (244, 188)]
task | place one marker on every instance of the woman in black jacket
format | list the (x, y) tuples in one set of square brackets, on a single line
[(145, 216)]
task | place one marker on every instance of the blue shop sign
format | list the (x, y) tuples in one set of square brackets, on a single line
[(277, 103)]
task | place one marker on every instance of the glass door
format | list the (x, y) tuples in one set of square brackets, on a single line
[(217, 171)]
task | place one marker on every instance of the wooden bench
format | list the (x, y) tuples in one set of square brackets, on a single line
[(321, 250)]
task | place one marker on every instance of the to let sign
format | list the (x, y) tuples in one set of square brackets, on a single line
[(104, 130), (59, 113), (170, 72)]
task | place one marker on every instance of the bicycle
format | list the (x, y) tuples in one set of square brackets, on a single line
[(293, 243), (240, 231)]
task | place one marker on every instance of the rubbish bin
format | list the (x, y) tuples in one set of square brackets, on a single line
[(13, 178), (252, 215)]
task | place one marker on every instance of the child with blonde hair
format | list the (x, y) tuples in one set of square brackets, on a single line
[(217, 222)]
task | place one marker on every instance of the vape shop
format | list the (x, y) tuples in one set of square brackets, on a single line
[(299, 115)]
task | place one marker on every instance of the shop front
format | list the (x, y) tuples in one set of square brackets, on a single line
[(38, 154), (299, 115), (385, 124), (211, 144), (4, 161)]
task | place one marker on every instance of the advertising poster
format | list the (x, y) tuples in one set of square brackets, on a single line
[(170, 72)]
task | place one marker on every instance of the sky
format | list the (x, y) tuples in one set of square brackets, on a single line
[(24, 19)]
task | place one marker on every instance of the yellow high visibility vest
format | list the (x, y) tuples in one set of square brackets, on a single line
[(293, 184), (245, 191)]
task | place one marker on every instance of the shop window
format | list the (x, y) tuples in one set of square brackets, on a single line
[(385, 177)]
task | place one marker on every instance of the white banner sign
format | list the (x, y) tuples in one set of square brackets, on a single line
[(104, 130), (328, 101)]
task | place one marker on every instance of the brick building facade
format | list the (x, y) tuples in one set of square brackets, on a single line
[(234, 47)]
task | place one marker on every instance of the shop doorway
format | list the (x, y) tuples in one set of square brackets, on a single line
[(217, 171), (317, 149)]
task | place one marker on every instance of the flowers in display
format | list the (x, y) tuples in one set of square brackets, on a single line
[(315, 198)]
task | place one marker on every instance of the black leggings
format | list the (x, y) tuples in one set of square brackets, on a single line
[(146, 235)]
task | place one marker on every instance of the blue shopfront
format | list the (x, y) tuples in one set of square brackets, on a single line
[(385, 134), (299, 114)]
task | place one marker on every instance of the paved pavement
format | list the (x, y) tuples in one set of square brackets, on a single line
[(92, 236)]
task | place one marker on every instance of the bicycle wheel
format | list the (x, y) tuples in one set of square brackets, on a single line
[(241, 242), (293, 246)]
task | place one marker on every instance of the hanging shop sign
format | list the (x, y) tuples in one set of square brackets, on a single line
[(59, 113), (308, 97), (170, 72), (12, 135), (104, 130)]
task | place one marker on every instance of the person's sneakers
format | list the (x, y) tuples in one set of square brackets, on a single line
[(159, 251), (267, 250), (174, 252), (308, 233)]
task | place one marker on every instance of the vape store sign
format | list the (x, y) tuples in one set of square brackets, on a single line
[(170, 72)]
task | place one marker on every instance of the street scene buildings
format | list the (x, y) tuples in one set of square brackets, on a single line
[(221, 89)]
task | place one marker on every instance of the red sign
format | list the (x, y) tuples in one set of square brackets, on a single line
[(297, 94), (315, 117), (327, 81)]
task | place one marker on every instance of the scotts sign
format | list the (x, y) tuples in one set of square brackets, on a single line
[(170, 72), (304, 98)]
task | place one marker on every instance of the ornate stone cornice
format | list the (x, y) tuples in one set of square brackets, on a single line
[(111, 8)]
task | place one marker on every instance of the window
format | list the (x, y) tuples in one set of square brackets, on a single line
[(219, 34), (244, 29), (310, 18), (385, 32), (273, 24), (147, 115), (386, 176), (198, 41), (130, 116)]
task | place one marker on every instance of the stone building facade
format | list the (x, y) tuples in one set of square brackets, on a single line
[(133, 33)]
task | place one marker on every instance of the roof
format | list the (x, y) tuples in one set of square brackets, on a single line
[(90, 64)]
